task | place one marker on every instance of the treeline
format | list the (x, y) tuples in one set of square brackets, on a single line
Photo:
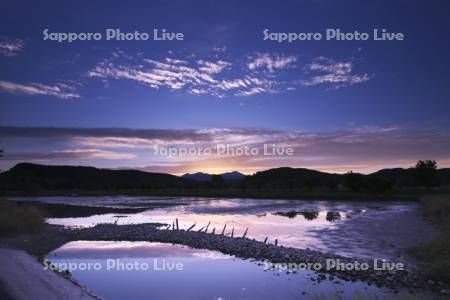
[(424, 174), (33, 178)]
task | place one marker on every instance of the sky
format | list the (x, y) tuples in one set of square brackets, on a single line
[(227, 96)]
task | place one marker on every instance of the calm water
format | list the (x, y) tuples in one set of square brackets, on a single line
[(354, 229), (205, 274), (359, 229)]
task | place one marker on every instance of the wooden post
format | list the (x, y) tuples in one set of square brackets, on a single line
[(276, 242), (214, 230), (245, 233), (265, 240), (193, 225), (178, 227), (206, 230), (223, 230), (232, 232)]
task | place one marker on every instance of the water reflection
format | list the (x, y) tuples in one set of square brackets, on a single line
[(333, 216), (274, 219), (205, 274), (301, 224), (308, 215)]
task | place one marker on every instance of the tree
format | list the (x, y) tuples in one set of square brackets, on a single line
[(426, 174), (217, 181), (354, 181), (426, 165)]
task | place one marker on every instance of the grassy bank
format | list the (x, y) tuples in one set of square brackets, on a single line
[(434, 256), (15, 219)]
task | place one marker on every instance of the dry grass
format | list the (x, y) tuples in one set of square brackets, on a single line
[(15, 219), (434, 256)]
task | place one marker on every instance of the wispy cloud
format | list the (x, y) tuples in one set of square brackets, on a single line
[(213, 67), (199, 77), (70, 154), (337, 74), (270, 62), (363, 148), (59, 90), (255, 74), (11, 48)]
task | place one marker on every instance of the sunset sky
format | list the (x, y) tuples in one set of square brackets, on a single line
[(341, 105)]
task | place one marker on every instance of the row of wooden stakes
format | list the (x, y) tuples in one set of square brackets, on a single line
[(175, 226)]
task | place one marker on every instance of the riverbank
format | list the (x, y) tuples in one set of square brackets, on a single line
[(23, 278), (241, 247)]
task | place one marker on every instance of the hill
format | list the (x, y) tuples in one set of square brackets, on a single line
[(34, 178), (27, 176)]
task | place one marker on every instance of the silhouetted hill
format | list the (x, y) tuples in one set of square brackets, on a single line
[(290, 178), (26, 177), (31, 178)]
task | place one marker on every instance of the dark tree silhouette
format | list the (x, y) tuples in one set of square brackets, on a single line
[(354, 181), (426, 164), (426, 174), (217, 181)]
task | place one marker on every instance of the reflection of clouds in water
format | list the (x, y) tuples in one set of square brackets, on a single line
[(259, 215), (114, 249)]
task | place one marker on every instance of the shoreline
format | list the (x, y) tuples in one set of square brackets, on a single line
[(55, 236)]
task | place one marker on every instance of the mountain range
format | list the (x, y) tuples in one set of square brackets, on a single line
[(205, 177)]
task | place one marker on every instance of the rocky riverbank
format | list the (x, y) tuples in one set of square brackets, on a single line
[(226, 242)]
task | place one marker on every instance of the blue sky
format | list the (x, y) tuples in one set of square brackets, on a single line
[(342, 105)]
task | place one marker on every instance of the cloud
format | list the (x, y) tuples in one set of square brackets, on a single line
[(364, 148), (261, 73), (337, 74), (11, 48), (198, 78), (270, 62), (59, 90), (70, 154), (213, 67), (125, 133)]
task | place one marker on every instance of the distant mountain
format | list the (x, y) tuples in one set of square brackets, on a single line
[(205, 177), (199, 176), (232, 176)]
